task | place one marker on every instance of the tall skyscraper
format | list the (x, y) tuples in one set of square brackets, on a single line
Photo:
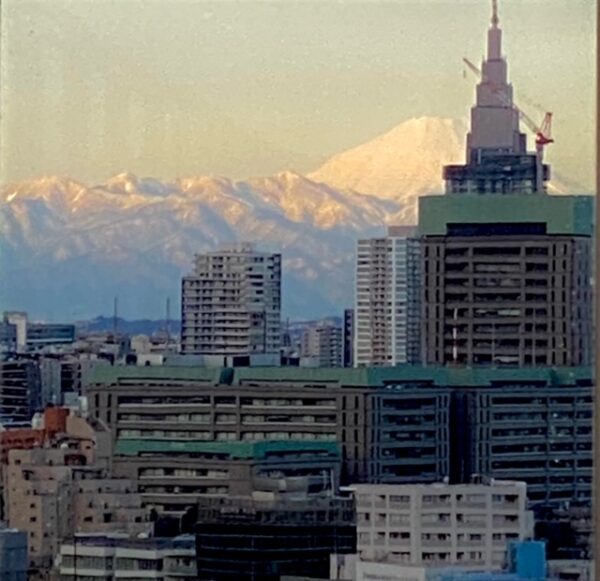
[(506, 267), (231, 303), (387, 311)]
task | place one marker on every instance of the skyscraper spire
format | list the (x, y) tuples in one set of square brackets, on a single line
[(494, 13), (494, 35)]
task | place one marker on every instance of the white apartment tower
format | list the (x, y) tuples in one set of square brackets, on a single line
[(441, 525), (231, 303), (387, 304)]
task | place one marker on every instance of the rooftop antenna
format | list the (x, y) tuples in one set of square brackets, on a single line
[(168, 322), (115, 311)]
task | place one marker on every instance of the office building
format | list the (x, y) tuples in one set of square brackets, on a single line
[(469, 525), (111, 556), (387, 308), (256, 540), (172, 475), (506, 267), (399, 424), (18, 334), (323, 343), (386, 435), (231, 303), (20, 390), (13, 555)]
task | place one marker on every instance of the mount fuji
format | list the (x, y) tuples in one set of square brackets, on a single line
[(69, 248)]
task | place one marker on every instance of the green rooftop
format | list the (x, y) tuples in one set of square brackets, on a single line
[(112, 374), (566, 215), (237, 450), (373, 377)]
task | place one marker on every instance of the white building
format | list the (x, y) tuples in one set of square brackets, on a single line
[(437, 525), (114, 556), (387, 302), (231, 303)]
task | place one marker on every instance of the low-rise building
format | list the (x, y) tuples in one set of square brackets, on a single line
[(110, 557), (440, 524), (13, 555), (249, 539), (173, 474), (50, 493)]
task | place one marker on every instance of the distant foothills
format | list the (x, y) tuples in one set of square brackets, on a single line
[(102, 324)]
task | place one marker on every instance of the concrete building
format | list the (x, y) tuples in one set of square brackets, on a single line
[(20, 390), (440, 524), (386, 435), (18, 334), (249, 539), (324, 344), (506, 267), (13, 555), (172, 475), (110, 557), (231, 303), (348, 338), (401, 424), (387, 309), (50, 493)]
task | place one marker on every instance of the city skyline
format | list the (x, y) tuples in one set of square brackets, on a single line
[(242, 89)]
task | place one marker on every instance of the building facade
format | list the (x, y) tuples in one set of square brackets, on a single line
[(231, 303), (50, 493), (13, 555), (323, 343), (255, 540), (387, 312), (399, 425), (110, 557), (173, 475), (20, 390), (469, 525), (348, 338), (506, 267)]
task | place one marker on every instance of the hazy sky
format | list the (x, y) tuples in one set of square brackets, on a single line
[(91, 88)]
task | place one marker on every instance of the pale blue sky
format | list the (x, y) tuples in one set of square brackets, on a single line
[(172, 88)]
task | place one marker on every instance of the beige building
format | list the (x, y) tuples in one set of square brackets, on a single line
[(323, 343), (51, 493), (441, 524), (231, 303)]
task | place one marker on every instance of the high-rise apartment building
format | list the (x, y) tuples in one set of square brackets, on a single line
[(506, 267), (387, 311), (324, 344), (231, 303)]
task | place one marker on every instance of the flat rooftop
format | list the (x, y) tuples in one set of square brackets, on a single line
[(373, 377), (563, 215)]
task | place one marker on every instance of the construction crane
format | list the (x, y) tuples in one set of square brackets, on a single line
[(543, 132)]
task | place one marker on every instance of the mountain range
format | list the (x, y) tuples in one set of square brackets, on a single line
[(68, 248)]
